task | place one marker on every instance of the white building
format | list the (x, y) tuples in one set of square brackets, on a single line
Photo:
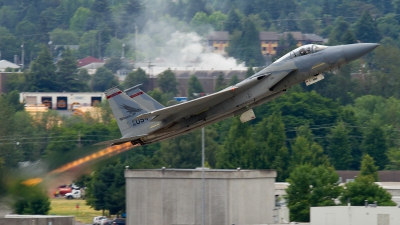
[(61, 100), (4, 64), (354, 215)]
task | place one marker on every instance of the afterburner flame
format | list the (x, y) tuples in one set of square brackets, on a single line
[(116, 149), (112, 150), (32, 182)]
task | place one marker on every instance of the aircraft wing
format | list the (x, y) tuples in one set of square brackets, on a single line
[(192, 107)]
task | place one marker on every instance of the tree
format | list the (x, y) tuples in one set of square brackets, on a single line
[(363, 188), (366, 29), (246, 46), (368, 168), (64, 37), (339, 148), (113, 64), (220, 84), (271, 145), (194, 86), (239, 149), (167, 82), (78, 21), (306, 151), (200, 23), (67, 75), (195, 7), (25, 29), (217, 20), (250, 72), (136, 77), (30, 200), (394, 159), (309, 187), (103, 79), (42, 74), (375, 144), (233, 23), (234, 80), (88, 44)]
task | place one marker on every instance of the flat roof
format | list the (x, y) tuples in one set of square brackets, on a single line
[(197, 173)]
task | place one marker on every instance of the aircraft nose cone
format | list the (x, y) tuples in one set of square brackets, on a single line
[(355, 51)]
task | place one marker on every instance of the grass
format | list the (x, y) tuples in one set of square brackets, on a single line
[(65, 207)]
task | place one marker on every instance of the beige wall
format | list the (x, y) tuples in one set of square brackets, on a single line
[(175, 197)]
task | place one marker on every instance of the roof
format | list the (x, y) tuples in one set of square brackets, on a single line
[(296, 35), (6, 64), (268, 36), (93, 65), (313, 38), (88, 60), (384, 175), (218, 36)]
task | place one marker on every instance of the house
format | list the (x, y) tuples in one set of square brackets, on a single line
[(269, 42), (88, 60), (4, 64), (218, 41)]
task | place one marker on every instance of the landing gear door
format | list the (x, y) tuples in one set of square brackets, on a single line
[(314, 79), (247, 116)]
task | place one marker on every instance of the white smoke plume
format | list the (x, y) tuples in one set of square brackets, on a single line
[(170, 43)]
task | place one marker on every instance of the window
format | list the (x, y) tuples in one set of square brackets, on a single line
[(264, 48), (215, 48)]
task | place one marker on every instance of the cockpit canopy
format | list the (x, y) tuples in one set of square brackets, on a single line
[(303, 50)]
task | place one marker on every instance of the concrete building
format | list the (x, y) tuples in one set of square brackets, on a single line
[(353, 215), (61, 100), (174, 196), (37, 220)]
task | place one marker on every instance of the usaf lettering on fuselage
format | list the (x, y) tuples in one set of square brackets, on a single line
[(139, 121)]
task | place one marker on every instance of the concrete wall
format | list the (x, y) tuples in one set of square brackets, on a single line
[(37, 220), (339, 215), (175, 196)]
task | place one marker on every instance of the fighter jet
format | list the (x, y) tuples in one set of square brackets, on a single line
[(142, 120)]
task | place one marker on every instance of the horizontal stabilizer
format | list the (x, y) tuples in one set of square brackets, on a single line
[(121, 140)]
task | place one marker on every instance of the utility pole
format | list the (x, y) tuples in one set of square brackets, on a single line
[(123, 51), (136, 42), (79, 139), (203, 196), (22, 56)]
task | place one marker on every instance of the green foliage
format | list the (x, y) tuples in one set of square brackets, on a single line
[(194, 87), (68, 77), (271, 147), (103, 79), (366, 29), (64, 37), (107, 190), (113, 64), (394, 159), (309, 187), (220, 84), (363, 188), (375, 144), (30, 200), (238, 149), (368, 168), (167, 82), (234, 80), (339, 148), (42, 74), (136, 77)]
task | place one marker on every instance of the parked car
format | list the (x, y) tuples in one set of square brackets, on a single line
[(118, 222), (97, 219)]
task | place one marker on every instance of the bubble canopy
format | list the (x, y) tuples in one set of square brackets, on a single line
[(303, 50)]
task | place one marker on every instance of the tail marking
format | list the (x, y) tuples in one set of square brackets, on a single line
[(115, 94)]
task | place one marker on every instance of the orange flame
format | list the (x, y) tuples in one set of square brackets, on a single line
[(116, 149)]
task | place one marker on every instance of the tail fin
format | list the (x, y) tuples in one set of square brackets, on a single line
[(142, 98), (125, 111)]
